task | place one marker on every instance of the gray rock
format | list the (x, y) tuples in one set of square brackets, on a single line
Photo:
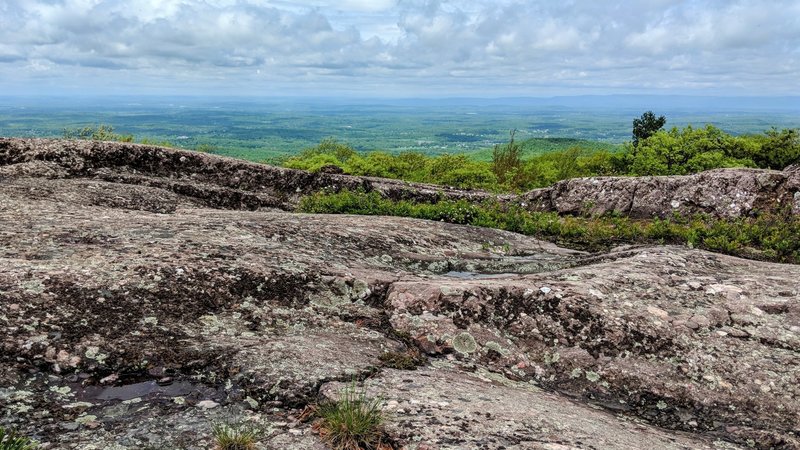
[(126, 259), (720, 192), (442, 407)]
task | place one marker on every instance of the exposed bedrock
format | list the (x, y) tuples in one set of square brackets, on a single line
[(220, 182), (720, 192), (135, 316)]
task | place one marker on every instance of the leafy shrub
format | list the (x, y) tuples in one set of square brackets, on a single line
[(662, 152), (778, 149), (690, 150), (312, 163), (97, 133)]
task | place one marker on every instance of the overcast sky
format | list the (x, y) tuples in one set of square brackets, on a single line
[(398, 48)]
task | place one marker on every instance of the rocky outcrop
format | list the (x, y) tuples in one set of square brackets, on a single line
[(136, 314), (218, 182), (200, 178), (720, 192)]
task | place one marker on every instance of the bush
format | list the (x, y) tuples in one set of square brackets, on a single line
[(97, 133), (691, 150), (664, 152), (312, 163), (779, 149)]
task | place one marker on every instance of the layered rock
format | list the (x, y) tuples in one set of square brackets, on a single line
[(720, 192), (218, 182), (136, 314)]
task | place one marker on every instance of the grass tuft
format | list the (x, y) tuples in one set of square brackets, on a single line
[(235, 436), (10, 440), (353, 422)]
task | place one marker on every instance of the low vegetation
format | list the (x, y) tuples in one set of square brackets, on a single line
[(106, 133), (9, 440), (352, 422), (406, 360), (234, 436), (96, 133), (652, 152), (768, 236)]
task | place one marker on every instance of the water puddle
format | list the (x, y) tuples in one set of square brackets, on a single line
[(145, 388), (478, 276)]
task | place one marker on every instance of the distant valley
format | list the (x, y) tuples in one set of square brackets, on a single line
[(267, 128)]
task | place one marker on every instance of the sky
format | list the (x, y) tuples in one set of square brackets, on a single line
[(400, 48)]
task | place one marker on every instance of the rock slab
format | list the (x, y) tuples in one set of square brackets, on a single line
[(137, 313)]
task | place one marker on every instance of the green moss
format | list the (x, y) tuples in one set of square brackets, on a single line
[(495, 347), (594, 377)]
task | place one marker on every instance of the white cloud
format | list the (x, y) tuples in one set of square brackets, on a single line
[(415, 46)]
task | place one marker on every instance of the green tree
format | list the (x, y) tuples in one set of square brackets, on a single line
[(778, 149), (688, 150), (646, 126)]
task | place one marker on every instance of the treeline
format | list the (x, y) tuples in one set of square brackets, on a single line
[(651, 152)]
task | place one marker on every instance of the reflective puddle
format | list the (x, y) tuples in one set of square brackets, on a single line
[(478, 276), (145, 388)]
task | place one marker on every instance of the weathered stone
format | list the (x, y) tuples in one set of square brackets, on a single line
[(123, 265), (623, 348), (445, 408), (721, 192), (195, 178)]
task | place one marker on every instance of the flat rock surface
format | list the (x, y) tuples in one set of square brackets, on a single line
[(137, 312), (445, 407)]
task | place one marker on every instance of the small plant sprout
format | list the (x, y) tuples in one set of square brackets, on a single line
[(10, 440), (234, 436), (353, 422)]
